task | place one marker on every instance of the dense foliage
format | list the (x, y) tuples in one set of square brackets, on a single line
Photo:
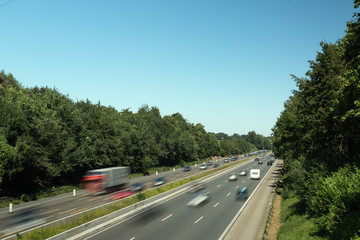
[(46, 139), (318, 136)]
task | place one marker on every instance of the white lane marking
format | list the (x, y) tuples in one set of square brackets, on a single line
[(66, 211), (132, 238), (228, 194), (219, 185), (198, 220), (236, 187), (166, 217), (216, 204)]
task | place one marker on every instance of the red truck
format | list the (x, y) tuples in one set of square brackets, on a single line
[(105, 179)]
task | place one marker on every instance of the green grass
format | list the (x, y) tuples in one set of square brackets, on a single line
[(43, 233), (295, 224)]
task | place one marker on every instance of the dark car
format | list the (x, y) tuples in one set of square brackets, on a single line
[(257, 159), (216, 165), (159, 181), (137, 186), (270, 162), (187, 168)]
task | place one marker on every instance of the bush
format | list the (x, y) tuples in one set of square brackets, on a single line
[(333, 198)]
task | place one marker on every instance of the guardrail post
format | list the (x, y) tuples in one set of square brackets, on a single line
[(74, 192), (10, 208)]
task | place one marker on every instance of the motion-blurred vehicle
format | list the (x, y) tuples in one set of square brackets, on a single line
[(242, 173), (105, 179), (241, 193), (260, 162), (216, 165), (254, 173), (159, 181), (257, 159), (226, 160), (209, 163), (197, 186), (232, 177), (122, 194), (137, 186), (202, 167), (187, 168), (270, 162), (198, 198)]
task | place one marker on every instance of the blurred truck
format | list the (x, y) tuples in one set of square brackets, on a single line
[(105, 179)]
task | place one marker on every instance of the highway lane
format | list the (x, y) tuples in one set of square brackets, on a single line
[(175, 220), (36, 213)]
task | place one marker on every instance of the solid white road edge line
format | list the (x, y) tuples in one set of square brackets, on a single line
[(242, 208)]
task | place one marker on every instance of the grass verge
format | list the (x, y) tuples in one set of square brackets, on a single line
[(296, 225)]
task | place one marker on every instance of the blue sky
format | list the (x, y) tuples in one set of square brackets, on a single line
[(225, 64)]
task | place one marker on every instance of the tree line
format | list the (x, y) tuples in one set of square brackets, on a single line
[(318, 136), (47, 139)]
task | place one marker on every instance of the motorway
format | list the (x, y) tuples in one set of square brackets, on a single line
[(175, 220), (36, 213)]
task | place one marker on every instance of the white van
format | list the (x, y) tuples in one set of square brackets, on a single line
[(254, 173)]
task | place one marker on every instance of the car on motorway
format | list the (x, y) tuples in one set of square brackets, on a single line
[(159, 181), (257, 159), (198, 198), (137, 186), (255, 174), (203, 167), (209, 163), (226, 160), (216, 165), (242, 173), (260, 162), (232, 177), (241, 193), (187, 168), (122, 194), (270, 162)]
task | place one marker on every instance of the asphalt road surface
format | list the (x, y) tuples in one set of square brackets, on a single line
[(36, 213), (175, 220)]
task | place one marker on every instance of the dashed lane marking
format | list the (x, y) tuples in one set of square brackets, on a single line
[(50, 211), (166, 217), (198, 220), (79, 210)]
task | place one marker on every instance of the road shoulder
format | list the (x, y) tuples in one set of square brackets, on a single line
[(251, 222)]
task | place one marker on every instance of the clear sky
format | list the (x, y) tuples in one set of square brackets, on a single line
[(223, 63)]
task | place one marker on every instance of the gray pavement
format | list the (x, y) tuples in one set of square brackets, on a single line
[(251, 222)]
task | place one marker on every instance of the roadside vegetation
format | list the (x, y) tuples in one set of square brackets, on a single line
[(318, 136), (48, 141)]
